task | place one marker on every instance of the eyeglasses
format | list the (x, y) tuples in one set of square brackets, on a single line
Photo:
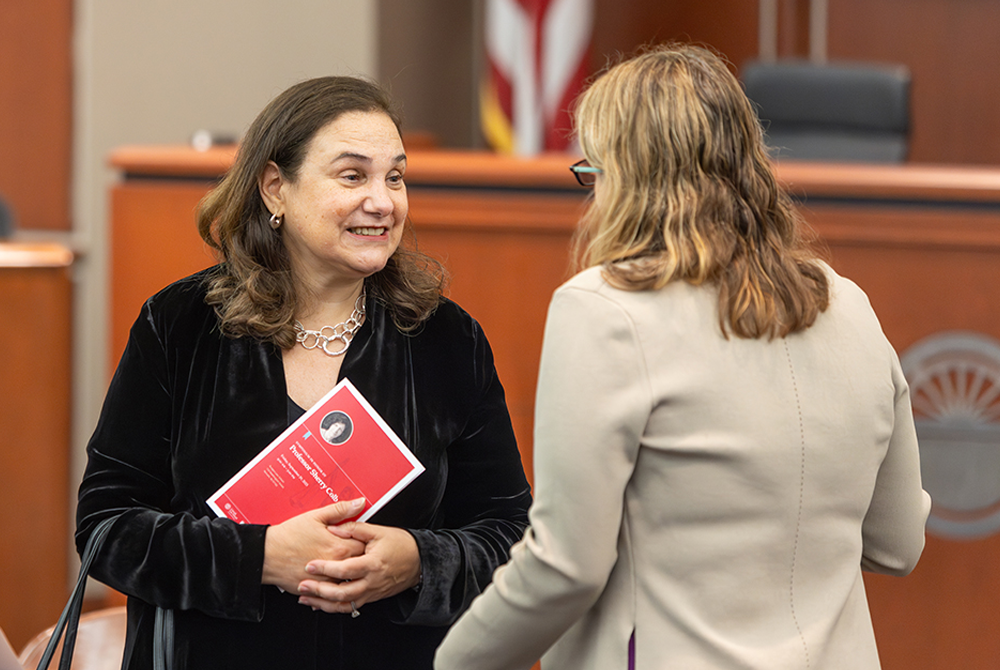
[(585, 173)]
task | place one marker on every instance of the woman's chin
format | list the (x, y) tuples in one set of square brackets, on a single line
[(368, 268)]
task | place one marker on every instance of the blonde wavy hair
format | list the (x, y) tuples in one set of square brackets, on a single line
[(252, 291), (688, 193)]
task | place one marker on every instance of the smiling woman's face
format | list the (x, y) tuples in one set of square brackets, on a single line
[(344, 213)]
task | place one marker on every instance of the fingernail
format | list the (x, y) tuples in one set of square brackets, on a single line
[(358, 504), (305, 591), (311, 569)]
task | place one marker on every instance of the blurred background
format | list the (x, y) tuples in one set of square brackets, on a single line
[(81, 79)]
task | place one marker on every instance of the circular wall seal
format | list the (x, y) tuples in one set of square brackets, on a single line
[(954, 382)]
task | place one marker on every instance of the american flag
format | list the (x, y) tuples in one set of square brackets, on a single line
[(536, 64)]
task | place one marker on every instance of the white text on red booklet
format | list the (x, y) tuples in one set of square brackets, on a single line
[(341, 449)]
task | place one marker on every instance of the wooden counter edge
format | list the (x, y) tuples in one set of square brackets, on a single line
[(472, 168), (910, 181), (34, 255), (173, 161), (424, 167)]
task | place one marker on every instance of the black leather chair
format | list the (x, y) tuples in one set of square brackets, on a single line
[(832, 112)]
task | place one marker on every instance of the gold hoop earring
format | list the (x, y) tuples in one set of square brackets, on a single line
[(275, 221)]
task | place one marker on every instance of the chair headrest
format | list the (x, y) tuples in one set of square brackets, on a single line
[(850, 96)]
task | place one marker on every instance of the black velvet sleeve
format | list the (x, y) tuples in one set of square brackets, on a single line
[(484, 509), (164, 549)]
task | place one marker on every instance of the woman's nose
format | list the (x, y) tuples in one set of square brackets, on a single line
[(379, 200)]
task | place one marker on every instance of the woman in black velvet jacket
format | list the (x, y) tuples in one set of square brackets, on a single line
[(308, 224)]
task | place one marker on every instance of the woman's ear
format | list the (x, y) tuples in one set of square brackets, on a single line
[(269, 185)]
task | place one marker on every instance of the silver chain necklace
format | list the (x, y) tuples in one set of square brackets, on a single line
[(343, 332)]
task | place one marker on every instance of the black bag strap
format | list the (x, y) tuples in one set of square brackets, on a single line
[(163, 639), (69, 620), (70, 617)]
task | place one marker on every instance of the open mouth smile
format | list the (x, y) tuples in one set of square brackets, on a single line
[(368, 232)]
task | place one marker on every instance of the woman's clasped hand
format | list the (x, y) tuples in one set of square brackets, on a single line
[(389, 565), (304, 537)]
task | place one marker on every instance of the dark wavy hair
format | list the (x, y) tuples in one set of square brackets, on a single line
[(688, 193), (252, 291)]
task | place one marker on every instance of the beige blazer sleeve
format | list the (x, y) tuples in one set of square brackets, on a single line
[(592, 405), (892, 532)]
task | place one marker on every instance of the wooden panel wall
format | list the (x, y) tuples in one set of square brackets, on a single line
[(951, 50), (35, 346), (728, 25), (36, 111), (425, 56), (506, 255), (154, 241)]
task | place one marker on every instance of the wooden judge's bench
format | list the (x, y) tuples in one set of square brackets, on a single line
[(922, 241)]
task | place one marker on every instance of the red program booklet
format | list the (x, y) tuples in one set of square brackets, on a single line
[(341, 449)]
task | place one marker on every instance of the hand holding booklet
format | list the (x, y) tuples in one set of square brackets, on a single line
[(341, 449)]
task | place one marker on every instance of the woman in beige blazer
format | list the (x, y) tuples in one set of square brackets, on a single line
[(723, 435)]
